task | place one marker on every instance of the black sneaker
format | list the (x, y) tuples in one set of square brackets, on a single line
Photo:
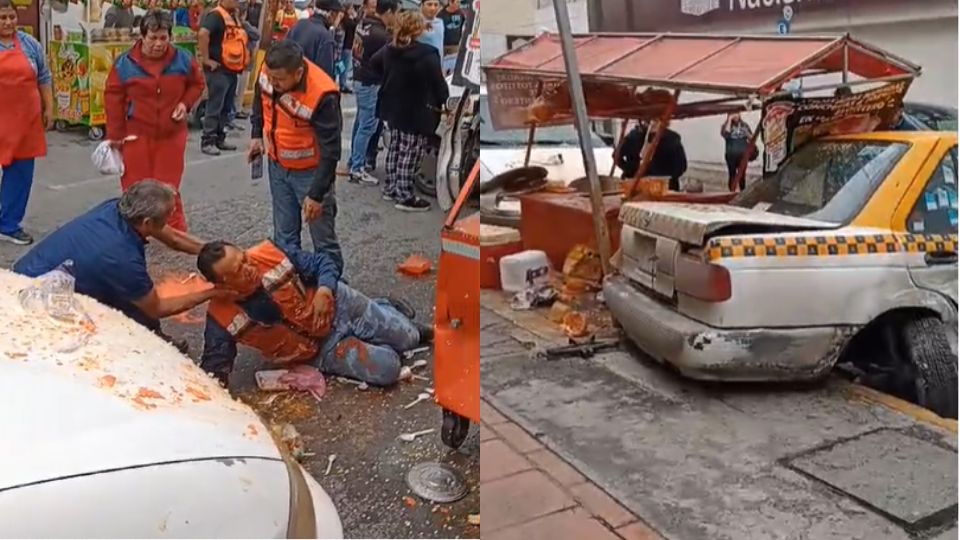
[(226, 147), (370, 167), (20, 238), (403, 307), (413, 204), (210, 150)]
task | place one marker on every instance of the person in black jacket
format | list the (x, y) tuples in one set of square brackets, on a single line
[(371, 36), (316, 35), (628, 158), (669, 160), (410, 101)]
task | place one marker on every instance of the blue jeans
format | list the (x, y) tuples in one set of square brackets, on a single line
[(347, 74), (449, 63), (365, 125), (287, 191), (366, 339), (14, 194)]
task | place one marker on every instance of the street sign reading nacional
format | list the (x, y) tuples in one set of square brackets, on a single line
[(680, 15)]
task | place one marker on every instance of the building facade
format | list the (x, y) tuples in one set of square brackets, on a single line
[(508, 23), (921, 31)]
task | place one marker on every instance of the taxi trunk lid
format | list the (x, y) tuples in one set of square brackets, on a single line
[(661, 244), (694, 224)]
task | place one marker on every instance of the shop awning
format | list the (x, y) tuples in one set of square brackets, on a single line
[(733, 65)]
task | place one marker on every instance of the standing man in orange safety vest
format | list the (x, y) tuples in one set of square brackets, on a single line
[(223, 51), (296, 121)]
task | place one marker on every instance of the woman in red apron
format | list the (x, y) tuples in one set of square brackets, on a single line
[(26, 114)]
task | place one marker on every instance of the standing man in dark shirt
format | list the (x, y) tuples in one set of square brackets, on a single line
[(453, 20), (372, 35), (222, 50), (253, 13), (349, 26), (119, 16), (316, 37), (303, 146)]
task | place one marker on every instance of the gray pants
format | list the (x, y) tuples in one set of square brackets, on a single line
[(221, 91)]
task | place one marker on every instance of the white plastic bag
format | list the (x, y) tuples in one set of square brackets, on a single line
[(107, 159), (51, 296)]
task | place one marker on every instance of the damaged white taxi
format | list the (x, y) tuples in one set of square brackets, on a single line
[(848, 253)]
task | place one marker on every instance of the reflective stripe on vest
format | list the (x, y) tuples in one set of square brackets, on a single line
[(290, 136), (277, 275), (239, 323)]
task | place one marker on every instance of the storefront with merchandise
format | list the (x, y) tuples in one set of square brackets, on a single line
[(82, 51)]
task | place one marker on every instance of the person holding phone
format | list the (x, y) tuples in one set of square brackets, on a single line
[(736, 138), (302, 146)]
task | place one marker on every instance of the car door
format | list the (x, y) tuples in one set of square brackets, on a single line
[(934, 212)]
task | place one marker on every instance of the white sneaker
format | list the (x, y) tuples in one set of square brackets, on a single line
[(364, 178)]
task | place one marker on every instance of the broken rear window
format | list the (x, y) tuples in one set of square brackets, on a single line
[(826, 181)]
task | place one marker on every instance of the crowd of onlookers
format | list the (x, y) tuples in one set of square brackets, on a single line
[(394, 60)]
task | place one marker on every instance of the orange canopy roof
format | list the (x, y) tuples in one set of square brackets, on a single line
[(739, 65)]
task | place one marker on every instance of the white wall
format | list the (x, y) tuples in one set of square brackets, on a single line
[(546, 17), (929, 42)]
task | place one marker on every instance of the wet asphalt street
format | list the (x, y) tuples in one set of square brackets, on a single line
[(368, 478)]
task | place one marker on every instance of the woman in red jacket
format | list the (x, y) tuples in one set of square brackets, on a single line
[(150, 90)]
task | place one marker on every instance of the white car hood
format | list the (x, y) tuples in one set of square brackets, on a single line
[(126, 398), (563, 163)]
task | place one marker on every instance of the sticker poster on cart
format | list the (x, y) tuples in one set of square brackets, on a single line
[(788, 123), (467, 71)]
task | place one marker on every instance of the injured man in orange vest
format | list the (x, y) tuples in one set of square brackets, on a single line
[(292, 307)]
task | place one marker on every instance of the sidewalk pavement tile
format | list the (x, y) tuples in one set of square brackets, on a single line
[(518, 499), (489, 415), (518, 438), (600, 504), (498, 460), (557, 468), (486, 434), (572, 524), (638, 531)]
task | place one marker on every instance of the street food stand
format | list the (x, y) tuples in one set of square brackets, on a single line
[(457, 320), (81, 54), (643, 76)]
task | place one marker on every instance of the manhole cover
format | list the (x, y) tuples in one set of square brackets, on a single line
[(904, 477), (437, 482)]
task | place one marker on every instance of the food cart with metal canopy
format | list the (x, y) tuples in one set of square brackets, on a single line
[(643, 76)]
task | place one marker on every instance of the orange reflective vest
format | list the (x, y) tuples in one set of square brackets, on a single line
[(291, 141), (297, 338)]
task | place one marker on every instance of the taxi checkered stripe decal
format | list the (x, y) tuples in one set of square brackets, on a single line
[(828, 246)]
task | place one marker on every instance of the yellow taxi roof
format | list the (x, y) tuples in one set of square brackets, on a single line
[(898, 136)]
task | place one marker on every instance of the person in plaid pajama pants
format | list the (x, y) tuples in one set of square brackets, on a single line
[(404, 153), (409, 101)]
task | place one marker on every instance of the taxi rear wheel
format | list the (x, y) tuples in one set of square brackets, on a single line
[(925, 347)]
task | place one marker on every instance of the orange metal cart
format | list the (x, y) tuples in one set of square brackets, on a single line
[(457, 320)]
